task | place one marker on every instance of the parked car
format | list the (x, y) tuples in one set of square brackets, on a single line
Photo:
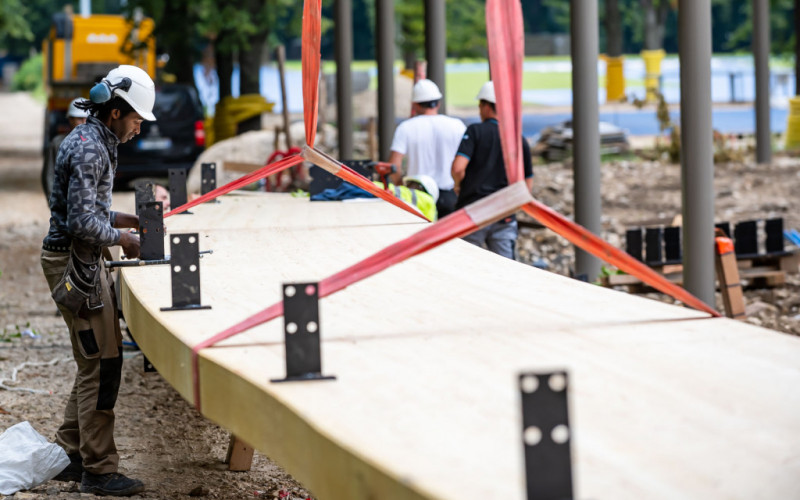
[(175, 139)]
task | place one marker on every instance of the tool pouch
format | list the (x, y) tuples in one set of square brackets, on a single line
[(80, 286)]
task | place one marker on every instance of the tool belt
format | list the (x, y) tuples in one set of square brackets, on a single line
[(80, 286)]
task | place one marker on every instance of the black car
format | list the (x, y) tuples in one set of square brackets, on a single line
[(175, 139)]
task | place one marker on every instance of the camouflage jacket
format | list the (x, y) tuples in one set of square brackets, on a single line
[(81, 199)]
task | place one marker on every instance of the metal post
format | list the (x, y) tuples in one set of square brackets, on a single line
[(343, 33), (586, 143), (436, 44), (384, 42), (761, 42), (797, 47), (697, 158)]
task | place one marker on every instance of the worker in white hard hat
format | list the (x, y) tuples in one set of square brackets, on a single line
[(82, 226), (75, 117), (479, 170), (429, 142)]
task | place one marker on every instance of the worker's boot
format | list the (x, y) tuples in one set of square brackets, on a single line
[(112, 484), (73, 471)]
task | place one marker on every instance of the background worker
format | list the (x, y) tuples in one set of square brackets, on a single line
[(75, 117), (81, 228), (429, 141), (479, 170)]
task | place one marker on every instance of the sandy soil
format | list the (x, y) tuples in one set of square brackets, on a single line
[(161, 439)]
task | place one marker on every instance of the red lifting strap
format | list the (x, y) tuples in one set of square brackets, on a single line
[(506, 41), (312, 31), (262, 172)]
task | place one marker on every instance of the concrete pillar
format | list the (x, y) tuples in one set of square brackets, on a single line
[(697, 156), (761, 44), (584, 29), (436, 44), (343, 41), (384, 52)]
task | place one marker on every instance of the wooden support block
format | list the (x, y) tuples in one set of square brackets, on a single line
[(240, 455), (728, 276), (790, 263), (245, 168)]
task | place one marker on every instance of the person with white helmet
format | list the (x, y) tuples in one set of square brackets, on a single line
[(81, 228), (429, 142), (75, 117), (479, 170)]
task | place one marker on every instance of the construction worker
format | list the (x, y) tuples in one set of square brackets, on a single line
[(479, 170), (81, 228), (429, 141), (75, 117), (420, 191)]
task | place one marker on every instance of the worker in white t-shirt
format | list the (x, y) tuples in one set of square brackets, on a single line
[(430, 142)]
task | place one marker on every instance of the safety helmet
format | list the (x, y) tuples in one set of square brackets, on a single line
[(130, 83), (75, 112), (427, 182), (487, 92), (425, 91)]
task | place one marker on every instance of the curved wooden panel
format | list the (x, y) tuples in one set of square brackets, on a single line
[(664, 402)]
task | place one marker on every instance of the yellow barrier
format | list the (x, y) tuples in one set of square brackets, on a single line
[(792, 137), (615, 78), (652, 68), (231, 111)]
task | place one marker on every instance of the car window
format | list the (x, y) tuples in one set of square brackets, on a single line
[(174, 103)]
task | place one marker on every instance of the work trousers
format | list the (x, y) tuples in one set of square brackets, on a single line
[(499, 237), (88, 426), (446, 204)]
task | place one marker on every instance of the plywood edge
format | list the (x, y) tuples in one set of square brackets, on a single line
[(323, 465)]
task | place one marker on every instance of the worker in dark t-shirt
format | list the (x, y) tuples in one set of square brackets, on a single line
[(478, 171)]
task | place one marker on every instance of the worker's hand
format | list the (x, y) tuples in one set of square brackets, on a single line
[(130, 245)]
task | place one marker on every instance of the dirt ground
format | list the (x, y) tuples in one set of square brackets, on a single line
[(162, 439)]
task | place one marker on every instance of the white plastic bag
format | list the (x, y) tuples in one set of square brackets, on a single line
[(27, 459)]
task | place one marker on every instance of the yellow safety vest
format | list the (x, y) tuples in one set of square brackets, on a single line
[(420, 200)]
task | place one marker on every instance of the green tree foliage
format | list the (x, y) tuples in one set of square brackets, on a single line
[(738, 17), (13, 25), (466, 28)]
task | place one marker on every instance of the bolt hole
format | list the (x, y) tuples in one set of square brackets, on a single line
[(192, 239), (310, 289), (176, 240), (311, 327), (557, 382), (529, 383), (291, 328), (560, 434), (177, 269), (532, 435), (289, 291), (192, 268)]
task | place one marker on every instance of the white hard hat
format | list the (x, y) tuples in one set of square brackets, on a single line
[(75, 112), (427, 182), (487, 92), (425, 91), (141, 95)]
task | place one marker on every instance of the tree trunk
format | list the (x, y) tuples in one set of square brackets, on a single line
[(224, 63), (655, 16), (613, 29), (250, 68), (180, 41)]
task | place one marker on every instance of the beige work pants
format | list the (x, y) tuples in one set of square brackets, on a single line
[(88, 426)]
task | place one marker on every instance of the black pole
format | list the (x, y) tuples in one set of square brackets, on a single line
[(436, 44), (384, 42), (761, 42), (343, 33)]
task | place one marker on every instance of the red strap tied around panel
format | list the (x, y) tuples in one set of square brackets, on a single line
[(585, 239), (506, 42), (346, 173), (312, 34), (262, 172), (460, 223)]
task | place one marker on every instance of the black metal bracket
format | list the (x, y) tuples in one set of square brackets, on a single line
[(145, 193), (177, 188), (148, 366), (546, 435), (208, 179), (301, 333), (185, 267), (151, 231)]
